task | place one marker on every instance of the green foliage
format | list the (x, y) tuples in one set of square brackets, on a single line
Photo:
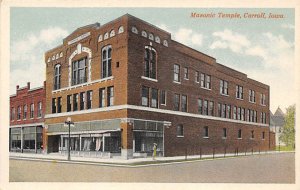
[(285, 148), (288, 134)]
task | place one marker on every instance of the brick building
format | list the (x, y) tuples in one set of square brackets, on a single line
[(27, 110), (127, 85)]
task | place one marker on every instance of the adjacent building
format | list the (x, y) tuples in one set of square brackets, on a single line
[(276, 125), (27, 110), (127, 85)]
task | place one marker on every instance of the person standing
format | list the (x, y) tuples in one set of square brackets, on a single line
[(154, 150)]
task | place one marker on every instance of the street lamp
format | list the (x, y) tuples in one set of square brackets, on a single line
[(69, 123)]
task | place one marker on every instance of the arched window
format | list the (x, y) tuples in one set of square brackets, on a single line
[(112, 33), (100, 38), (106, 36), (57, 74), (25, 111), (150, 62), (151, 37), (134, 30), (165, 43), (61, 54), (106, 62), (144, 34), (157, 39), (121, 29)]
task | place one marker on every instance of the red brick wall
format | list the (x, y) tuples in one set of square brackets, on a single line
[(28, 96)]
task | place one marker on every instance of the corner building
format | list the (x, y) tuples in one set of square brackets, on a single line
[(127, 85)]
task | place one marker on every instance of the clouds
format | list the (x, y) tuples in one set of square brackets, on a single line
[(274, 50), (185, 35), (27, 56), (228, 39)]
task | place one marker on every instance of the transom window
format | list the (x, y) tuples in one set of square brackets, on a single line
[(150, 62), (57, 75), (106, 62), (79, 71)]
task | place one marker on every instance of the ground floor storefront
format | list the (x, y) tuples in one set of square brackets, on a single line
[(125, 137), (26, 138)]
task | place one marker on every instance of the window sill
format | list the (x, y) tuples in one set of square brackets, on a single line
[(186, 79), (263, 105), (206, 137), (224, 138), (163, 104), (176, 82), (197, 82), (239, 138), (151, 79), (239, 98), (205, 88), (251, 138), (252, 102), (180, 136), (224, 95)]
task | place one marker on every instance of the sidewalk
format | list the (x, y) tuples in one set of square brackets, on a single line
[(119, 160)]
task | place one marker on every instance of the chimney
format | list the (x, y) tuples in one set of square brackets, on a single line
[(44, 84), (28, 85), (18, 87)]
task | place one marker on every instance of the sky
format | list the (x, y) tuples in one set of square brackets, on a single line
[(262, 48)]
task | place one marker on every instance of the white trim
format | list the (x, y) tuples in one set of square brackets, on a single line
[(180, 136), (239, 138), (151, 79), (239, 98), (83, 132), (205, 88), (176, 82), (224, 138), (27, 125), (227, 95), (157, 110), (83, 84), (206, 137)]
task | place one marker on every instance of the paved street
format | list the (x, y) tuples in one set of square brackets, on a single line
[(269, 168)]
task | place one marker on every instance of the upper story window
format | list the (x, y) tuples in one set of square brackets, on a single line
[(145, 96), (59, 105), (134, 30), (205, 107), (79, 71), (184, 105), (157, 39), (186, 73), (179, 131), (223, 87), (200, 106), (110, 96), (205, 81), (224, 132), (176, 102), (89, 99), (31, 110), (177, 73), (75, 102), (69, 103), (57, 76), (211, 108), (12, 114), (239, 133), (197, 79), (101, 97), (106, 62), (228, 112), (205, 131), (252, 96), (40, 109), (239, 92), (19, 113), (151, 37), (150, 62), (25, 111), (121, 29), (263, 118), (112, 33), (154, 98), (263, 99), (163, 97)]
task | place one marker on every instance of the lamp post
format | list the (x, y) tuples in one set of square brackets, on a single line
[(69, 123)]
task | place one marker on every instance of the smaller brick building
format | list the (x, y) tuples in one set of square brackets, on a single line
[(27, 109)]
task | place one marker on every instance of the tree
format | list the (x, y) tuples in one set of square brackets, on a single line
[(288, 133)]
